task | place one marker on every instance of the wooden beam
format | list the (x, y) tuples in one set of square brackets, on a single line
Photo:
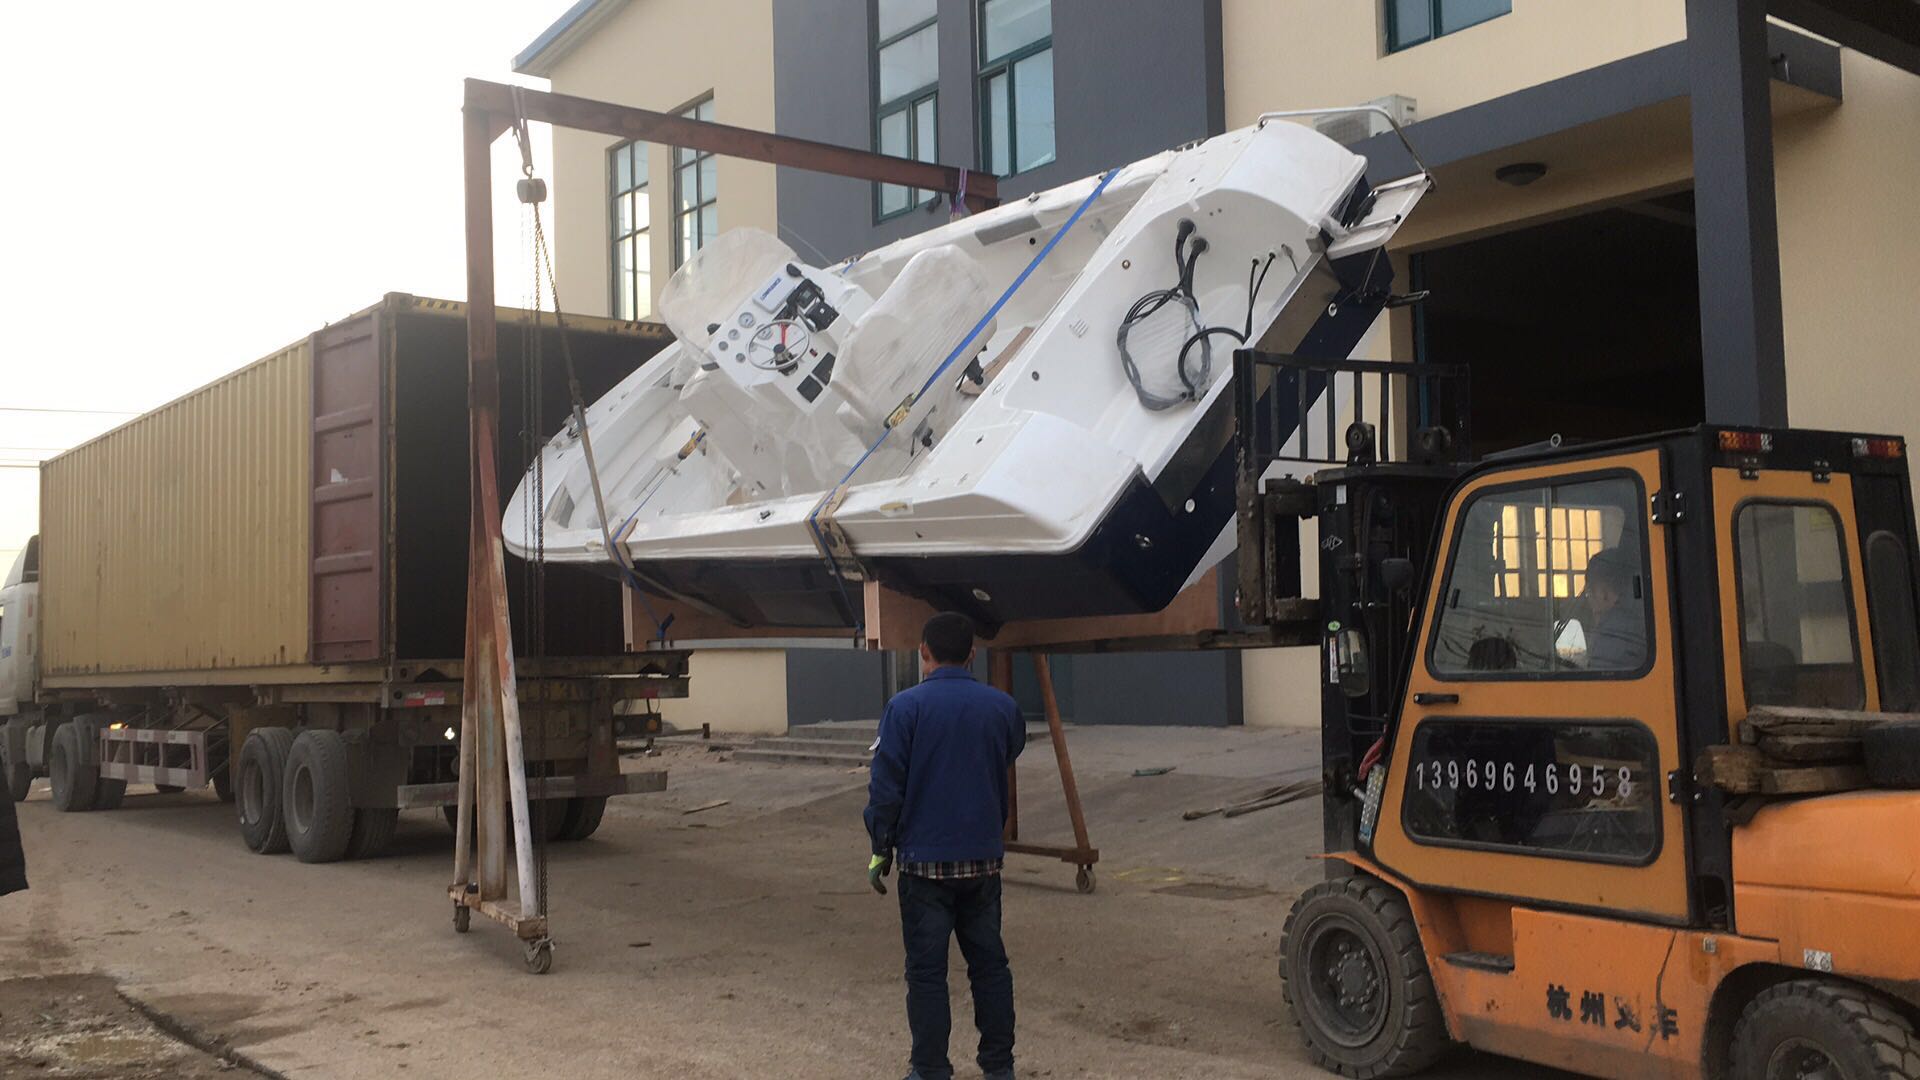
[(982, 191)]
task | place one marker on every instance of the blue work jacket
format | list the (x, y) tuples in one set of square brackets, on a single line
[(938, 792)]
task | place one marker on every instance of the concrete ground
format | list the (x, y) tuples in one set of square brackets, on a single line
[(737, 941)]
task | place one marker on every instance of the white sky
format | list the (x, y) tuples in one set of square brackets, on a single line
[(186, 187)]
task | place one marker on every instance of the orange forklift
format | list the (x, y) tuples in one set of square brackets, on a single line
[(1616, 776)]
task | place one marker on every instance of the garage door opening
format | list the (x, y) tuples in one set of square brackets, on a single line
[(1586, 327)]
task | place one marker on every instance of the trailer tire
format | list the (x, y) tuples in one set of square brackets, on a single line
[(373, 829), (75, 782), (109, 794), (1892, 752), (317, 801), (222, 779), (263, 768), (1851, 1032), (15, 774), (583, 817), (1355, 975)]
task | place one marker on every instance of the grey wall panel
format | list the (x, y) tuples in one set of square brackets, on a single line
[(1131, 78), (834, 684)]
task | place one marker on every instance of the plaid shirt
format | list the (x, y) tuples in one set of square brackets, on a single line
[(951, 871)]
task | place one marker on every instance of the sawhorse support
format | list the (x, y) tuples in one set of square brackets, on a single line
[(1082, 854)]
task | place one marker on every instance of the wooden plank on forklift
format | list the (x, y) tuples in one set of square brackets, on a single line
[(1745, 770), (1795, 720)]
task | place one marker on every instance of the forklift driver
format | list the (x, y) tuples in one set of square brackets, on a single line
[(1617, 641)]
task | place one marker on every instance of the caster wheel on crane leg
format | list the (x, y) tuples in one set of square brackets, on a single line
[(462, 918), (540, 956), (1084, 880)]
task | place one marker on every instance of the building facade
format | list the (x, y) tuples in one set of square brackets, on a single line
[(1563, 246)]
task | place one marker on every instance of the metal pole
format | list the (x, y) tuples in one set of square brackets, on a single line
[(1743, 353)]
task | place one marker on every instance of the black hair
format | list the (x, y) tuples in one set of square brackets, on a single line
[(949, 637), (1611, 566)]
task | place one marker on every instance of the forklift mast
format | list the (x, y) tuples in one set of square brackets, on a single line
[(1375, 504)]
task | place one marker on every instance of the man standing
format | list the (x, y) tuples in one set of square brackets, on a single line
[(13, 861), (938, 797)]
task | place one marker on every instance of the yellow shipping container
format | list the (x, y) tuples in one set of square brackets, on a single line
[(179, 541)]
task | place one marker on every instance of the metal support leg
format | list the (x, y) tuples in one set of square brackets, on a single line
[(1082, 854)]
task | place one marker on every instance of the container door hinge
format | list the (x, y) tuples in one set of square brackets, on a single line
[(1668, 507)]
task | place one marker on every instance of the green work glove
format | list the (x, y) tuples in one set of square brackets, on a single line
[(879, 867)]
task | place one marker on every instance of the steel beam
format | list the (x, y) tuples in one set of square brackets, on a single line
[(505, 102), (1887, 30), (1738, 242)]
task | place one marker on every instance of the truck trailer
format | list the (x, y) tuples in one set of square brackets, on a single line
[(261, 586)]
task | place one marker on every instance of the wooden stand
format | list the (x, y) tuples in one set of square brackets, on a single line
[(1082, 854)]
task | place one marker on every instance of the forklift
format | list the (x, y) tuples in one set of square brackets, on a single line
[(1616, 779)]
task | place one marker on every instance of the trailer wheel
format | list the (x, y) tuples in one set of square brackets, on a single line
[(582, 817), (1813, 1027), (15, 774), (263, 765), (1355, 975), (316, 803), (552, 823), (1892, 752), (223, 783), (109, 794), (372, 831), (75, 783)]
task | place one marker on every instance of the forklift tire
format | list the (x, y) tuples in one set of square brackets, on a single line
[(263, 767), (582, 817), (317, 802), (1892, 751), (372, 831), (1355, 975), (1811, 1027), (16, 776), (75, 783)]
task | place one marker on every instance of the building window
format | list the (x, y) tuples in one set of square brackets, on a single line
[(1410, 22), (906, 78), (696, 218), (632, 259), (1016, 84)]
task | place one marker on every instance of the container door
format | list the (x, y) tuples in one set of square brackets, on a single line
[(349, 493), (1541, 720)]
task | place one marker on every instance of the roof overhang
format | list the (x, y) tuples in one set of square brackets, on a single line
[(1887, 30), (567, 32), (1805, 68)]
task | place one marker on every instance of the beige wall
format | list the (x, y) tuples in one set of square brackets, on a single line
[(662, 55), (738, 691), (1288, 54), (1850, 254)]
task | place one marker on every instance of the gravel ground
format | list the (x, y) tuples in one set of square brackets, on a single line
[(739, 941)]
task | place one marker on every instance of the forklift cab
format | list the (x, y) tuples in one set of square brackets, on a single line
[(1527, 856)]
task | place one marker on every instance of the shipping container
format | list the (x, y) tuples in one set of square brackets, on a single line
[(284, 551)]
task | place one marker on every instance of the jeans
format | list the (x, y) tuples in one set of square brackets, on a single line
[(969, 909)]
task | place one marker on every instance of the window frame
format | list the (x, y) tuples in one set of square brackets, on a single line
[(985, 71), (1846, 591), (908, 102), (1390, 18), (1889, 652), (638, 152), (702, 197), (1453, 547), (1655, 780)]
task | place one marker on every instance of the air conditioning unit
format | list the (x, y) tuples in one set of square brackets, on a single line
[(1350, 128)]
